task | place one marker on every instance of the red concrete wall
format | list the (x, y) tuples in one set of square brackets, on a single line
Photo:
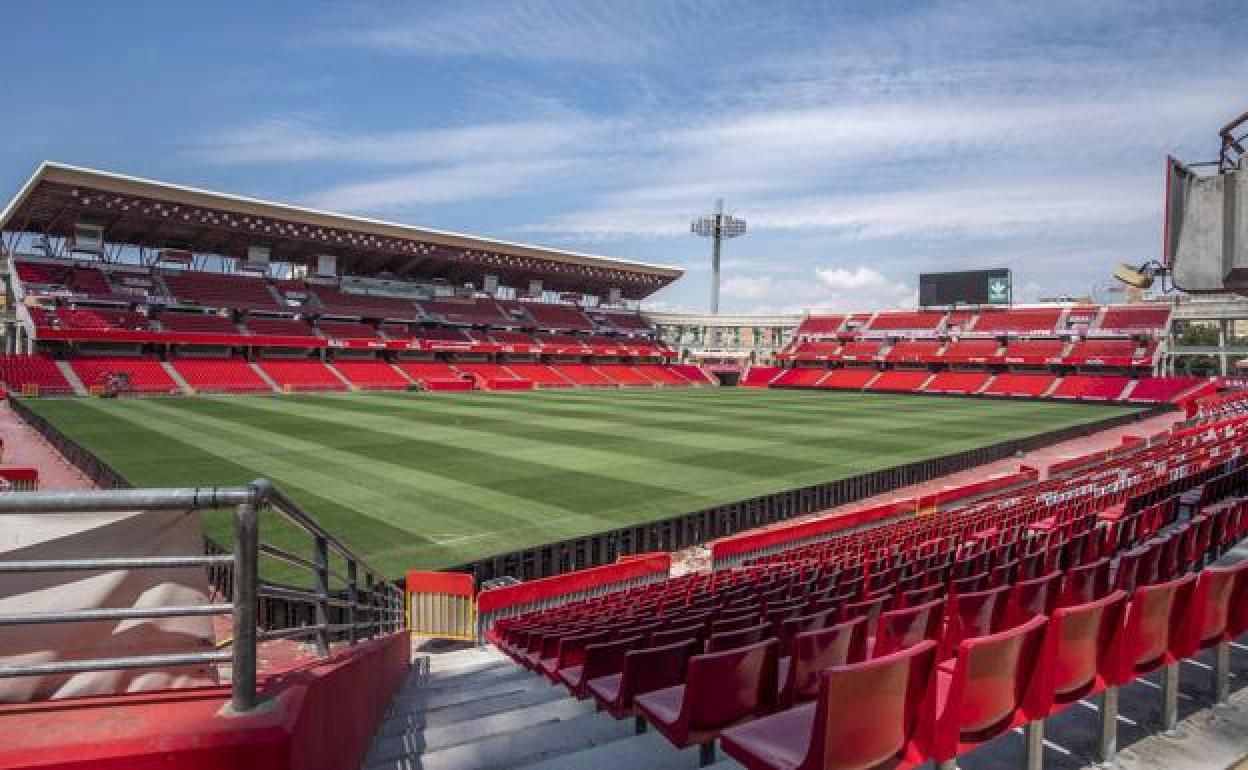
[(316, 716)]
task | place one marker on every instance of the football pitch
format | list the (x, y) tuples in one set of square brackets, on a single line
[(423, 480)]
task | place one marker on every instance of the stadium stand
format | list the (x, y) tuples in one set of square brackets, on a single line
[(197, 323), (557, 317), (662, 375), (346, 329), (1107, 352), (540, 374), (1017, 583), (146, 375), (33, 374), (957, 382), (1163, 388), (760, 376), (371, 374), (1018, 320), (847, 379), (221, 375), (295, 374), (580, 374), (1011, 384), (624, 322), (468, 312), (860, 350), (96, 318), (336, 302), (279, 327), (623, 374), (914, 351), (694, 374), (434, 375), (1091, 387), (799, 377), (970, 351), (1035, 352), (816, 351), (899, 321), (900, 380), (819, 326), (512, 338), (220, 290), (1150, 318)]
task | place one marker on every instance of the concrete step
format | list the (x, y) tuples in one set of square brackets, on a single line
[(400, 722), (650, 751), (516, 748), (433, 738), (480, 679), (419, 699), (71, 377)]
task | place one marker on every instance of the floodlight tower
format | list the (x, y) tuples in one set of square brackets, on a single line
[(717, 226)]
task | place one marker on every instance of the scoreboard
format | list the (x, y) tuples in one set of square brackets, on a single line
[(965, 287)]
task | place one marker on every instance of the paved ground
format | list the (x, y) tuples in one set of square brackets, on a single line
[(24, 447)]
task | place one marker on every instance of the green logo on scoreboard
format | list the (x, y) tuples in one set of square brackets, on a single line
[(999, 289)]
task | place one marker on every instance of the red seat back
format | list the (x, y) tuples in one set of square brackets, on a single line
[(888, 695), (742, 637), (654, 668), (1086, 582), (973, 614), (1209, 618), (1082, 648), (994, 684), (814, 651), (1029, 598), (722, 688), (904, 628), (1152, 617)]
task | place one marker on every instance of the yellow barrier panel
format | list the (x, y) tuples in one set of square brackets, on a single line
[(441, 605)]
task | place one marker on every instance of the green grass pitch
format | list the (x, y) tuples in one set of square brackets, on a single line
[(433, 480)]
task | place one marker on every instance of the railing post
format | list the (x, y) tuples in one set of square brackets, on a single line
[(246, 544), (370, 613), (353, 596), (322, 597)]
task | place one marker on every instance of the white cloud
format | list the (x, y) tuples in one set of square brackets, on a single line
[(462, 182), (856, 287)]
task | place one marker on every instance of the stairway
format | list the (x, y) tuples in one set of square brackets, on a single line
[(476, 709), (177, 377), (71, 377)]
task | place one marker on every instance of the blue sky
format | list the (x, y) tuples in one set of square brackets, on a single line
[(864, 141)]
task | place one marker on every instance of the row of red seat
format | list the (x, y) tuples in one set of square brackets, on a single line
[(1071, 586), (1149, 318), (1024, 352), (1073, 386)]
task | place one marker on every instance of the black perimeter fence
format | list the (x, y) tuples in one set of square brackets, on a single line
[(684, 530)]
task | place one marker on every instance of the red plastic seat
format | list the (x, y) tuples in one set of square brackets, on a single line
[(972, 615), (1086, 583), (1029, 598), (992, 686), (677, 633), (888, 694), (1151, 632), (742, 637), (1208, 622), (599, 660), (791, 627), (645, 670), (814, 651), (1081, 649), (570, 651), (721, 689), (734, 622), (899, 629)]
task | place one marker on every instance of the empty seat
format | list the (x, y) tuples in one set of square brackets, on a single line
[(721, 689), (813, 651), (880, 730), (992, 686), (644, 670), (907, 627)]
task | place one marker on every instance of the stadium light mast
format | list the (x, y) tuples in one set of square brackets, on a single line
[(717, 227)]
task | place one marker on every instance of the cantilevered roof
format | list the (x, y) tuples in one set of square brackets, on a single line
[(144, 212)]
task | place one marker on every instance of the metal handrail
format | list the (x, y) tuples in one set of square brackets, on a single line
[(376, 606)]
